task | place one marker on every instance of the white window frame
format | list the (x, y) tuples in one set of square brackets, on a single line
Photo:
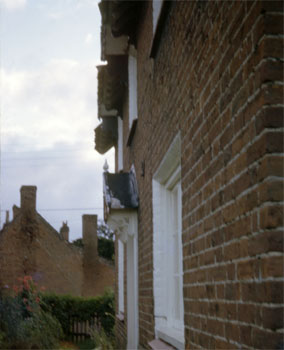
[(132, 85), (120, 277), (157, 8), (120, 144), (167, 218)]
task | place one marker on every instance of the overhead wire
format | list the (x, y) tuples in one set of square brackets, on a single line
[(65, 209)]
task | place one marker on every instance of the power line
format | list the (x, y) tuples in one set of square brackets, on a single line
[(52, 151), (69, 209), (65, 209), (40, 158)]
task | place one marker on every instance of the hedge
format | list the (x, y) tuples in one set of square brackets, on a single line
[(64, 307)]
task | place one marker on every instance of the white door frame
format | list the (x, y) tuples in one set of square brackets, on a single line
[(132, 293), (124, 222)]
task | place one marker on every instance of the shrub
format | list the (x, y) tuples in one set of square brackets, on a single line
[(105, 242), (23, 322), (106, 248), (102, 340), (66, 307), (78, 243)]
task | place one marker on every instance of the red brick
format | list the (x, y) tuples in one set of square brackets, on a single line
[(230, 133), (232, 332), (272, 318), (221, 344), (271, 166), (272, 266), (231, 251), (266, 340), (271, 191), (247, 270), (232, 291), (270, 241), (269, 142), (262, 292), (249, 313), (268, 71), (271, 216), (246, 335)]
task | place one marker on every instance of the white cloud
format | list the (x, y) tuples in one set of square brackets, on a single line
[(89, 39), (48, 117), (13, 4), (55, 15), (57, 102), (88, 3)]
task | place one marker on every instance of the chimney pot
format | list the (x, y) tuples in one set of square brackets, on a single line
[(64, 231), (7, 217)]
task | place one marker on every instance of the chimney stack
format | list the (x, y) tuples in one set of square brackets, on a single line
[(16, 211), (64, 231), (90, 239), (28, 198), (7, 217)]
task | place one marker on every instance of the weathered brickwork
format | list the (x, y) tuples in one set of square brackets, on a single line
[(31, 246), (217, 78)]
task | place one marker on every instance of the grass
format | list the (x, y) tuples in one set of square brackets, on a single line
[(87, 344)]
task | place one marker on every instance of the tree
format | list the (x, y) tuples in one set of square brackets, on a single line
[(105, 241), (105, 231)]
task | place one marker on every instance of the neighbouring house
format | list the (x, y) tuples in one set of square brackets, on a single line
[(29, 245), (191, 98)]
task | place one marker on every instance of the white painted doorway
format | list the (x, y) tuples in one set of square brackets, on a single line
[(132, 293)]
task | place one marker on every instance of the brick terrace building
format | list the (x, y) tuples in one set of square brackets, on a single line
[(192, 99), (29, 245)]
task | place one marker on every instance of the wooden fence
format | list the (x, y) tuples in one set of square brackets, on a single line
[(81, 330)]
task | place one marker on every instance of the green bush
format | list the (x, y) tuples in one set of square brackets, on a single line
[(66, 307), (102, 340), (24, 324), (106, 248)]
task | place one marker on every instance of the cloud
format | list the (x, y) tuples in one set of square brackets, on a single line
[(12, 5), (48, 120), (57, 102), (87, 3), (89, 39), (55, 15), (66, 179)]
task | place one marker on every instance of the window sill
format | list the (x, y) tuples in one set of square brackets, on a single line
[(172, 336), (132, 132), (157, 344), (120, 316)]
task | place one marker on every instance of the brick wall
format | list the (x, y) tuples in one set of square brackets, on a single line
[(58, 264), (218, 79), (30, 246), (12, 264)]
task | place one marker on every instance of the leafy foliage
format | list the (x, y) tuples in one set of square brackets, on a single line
[(102, 340), (106, 248), (64, 307), (78, 243), (105, 231), (23, 322), (105, 242)]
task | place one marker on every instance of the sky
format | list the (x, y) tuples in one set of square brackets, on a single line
[(49, 50)]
